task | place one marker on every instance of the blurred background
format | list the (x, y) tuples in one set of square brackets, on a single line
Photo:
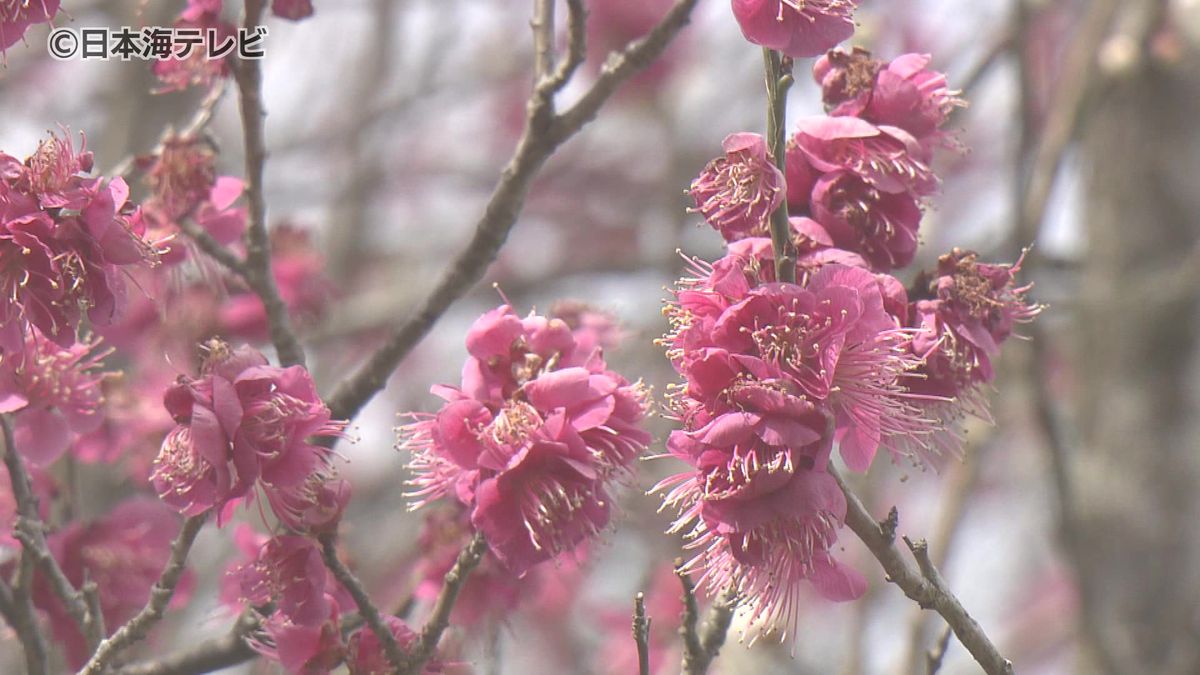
[(1071, 530)]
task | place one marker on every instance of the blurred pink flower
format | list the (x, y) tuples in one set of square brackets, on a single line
[(738, 192), (293, 10), (798, 28), (55, 394), (17, 17), (289, 571), (123, 553)]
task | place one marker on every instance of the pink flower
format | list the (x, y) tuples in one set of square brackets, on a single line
[(289, 571), (532, 438), (17, 17), (245, 423), (902, 93), (293, 10), (798, 28), (365, 655), (66, 244), (55, 394), (196, 69), (738, 192), (889, 158), (881, 226), (124, 553), (301, 648)]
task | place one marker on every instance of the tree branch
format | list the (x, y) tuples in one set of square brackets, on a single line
[(925, 585), (641, 633), (778, 72), (160, 596), (31, 532), (366, 609), (544, 133), (700, 647), (439, 619), (258, 244), (223, 652), (24, 619)]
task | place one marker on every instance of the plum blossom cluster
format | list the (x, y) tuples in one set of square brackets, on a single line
[(304, 632), (246, 426), (533, 437), (67, 242), (778, 375)]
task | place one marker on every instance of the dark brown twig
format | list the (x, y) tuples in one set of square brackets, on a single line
[(544, 133), (468, 559), (925, 585), (248, 75), (366, 609), (24, 619), (160, 596), (702, 644), (641, 633)]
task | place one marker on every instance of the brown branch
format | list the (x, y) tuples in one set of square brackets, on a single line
[(439, 618), (778, 73), (31, 532), (160, 596), (641, 633), (544, 133), (366, 609), (258, 245), (543, 38), (576, 45), (701, 645), (924, 585), (215, 654), (24, 619)]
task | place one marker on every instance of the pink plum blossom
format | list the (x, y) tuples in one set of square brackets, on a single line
[(531, 440), (17, 17), (242, 424), (738, 192), (798, 28)]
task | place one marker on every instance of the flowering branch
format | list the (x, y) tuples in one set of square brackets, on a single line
[(779, 79), (439, 619), (924, 585), (258, 245), (641, 633), (30, 531), (160, 596), (366, 609), (544, 132)]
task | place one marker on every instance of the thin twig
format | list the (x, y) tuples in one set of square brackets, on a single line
[(641, 633), (31, 532), (25, 619), (935, 656), (544, 133), (258, 244), (160, 596), (701, 645), (543, 38), (925, 585), (91, 595), (215, 250), (366, 609), (778, 72), (468, 559), (215, 654)]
